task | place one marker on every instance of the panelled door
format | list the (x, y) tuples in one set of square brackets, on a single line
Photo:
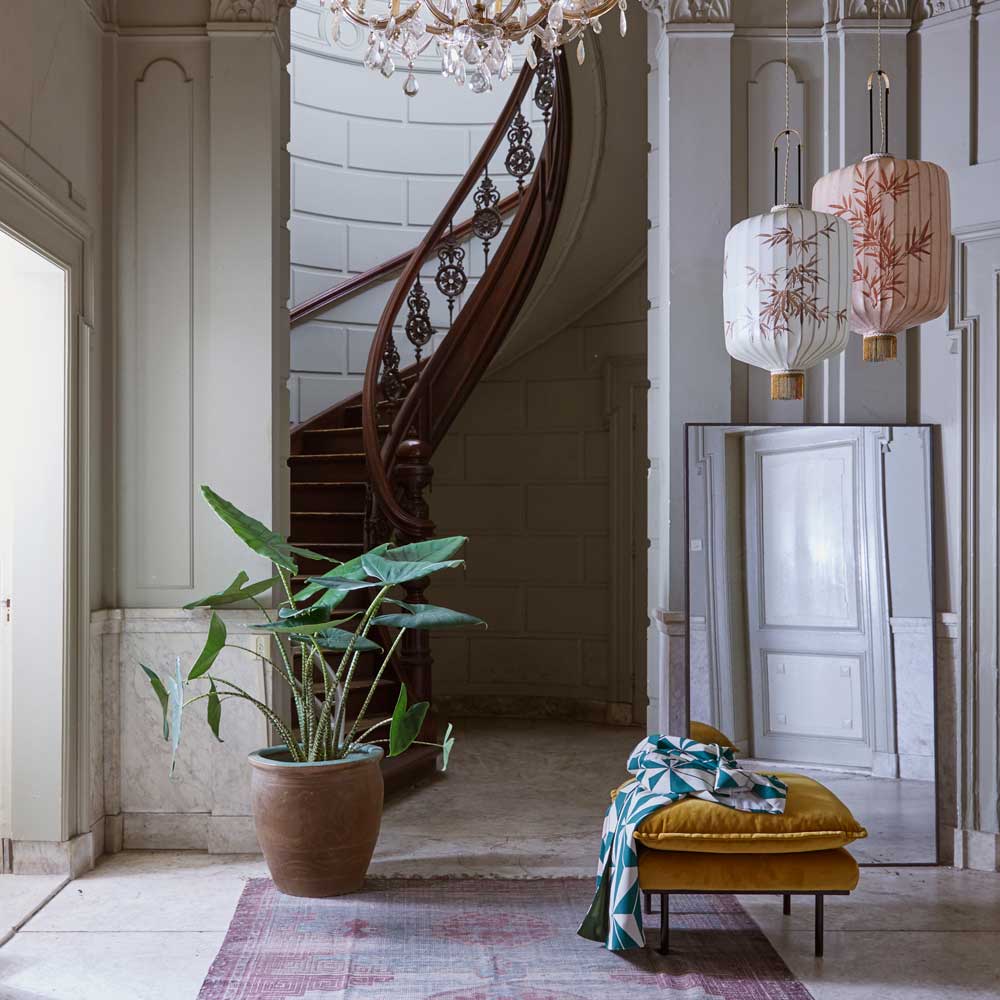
[(808, 612)]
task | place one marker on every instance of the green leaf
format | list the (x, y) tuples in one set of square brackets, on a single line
[(255, 535), (214, 711), (350, 570), (295, 627), (446, 744), (161, 693), (392, 571), (309, 554), (432, 550), (235, 592), (343, 583), (337, 638), (428, 616), (405, 725), (213, 646), (175, 686)]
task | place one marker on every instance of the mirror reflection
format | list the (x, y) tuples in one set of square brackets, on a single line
[(810, 611)]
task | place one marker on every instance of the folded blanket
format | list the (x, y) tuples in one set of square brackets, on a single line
[(666, 769)]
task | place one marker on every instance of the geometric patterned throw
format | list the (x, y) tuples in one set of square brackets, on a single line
[(483, 939)]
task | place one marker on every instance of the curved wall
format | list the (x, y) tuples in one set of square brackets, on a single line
[(371, 169)]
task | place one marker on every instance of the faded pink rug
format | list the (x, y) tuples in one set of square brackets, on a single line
[(484, 939)]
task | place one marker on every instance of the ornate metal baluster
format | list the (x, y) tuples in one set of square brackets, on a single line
[(451, 278), (520, 157), (486, 221), (391, 383), (418, 321), (545, 87)]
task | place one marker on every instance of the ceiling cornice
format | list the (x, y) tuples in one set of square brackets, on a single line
[(691, 11), (247, 11)]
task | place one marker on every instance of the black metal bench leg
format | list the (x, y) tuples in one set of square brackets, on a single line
[(664, 923), (819, 925), (647, 902), (786, 906)]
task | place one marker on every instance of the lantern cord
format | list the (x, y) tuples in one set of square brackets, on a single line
[(788, 138), (878, 67)]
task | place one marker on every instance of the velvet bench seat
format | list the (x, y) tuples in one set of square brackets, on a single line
[(830, 872), (694, 846)]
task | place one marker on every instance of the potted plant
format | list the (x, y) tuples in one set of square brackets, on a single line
[(317, 796)]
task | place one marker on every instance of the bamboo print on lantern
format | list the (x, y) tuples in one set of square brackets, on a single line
[(900, 216)]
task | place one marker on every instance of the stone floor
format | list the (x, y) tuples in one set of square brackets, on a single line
[(899, 815), (146, 925)]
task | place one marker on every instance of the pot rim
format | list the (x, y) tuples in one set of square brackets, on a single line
[(263, 757)]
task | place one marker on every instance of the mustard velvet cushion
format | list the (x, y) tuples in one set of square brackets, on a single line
[(704, 733), (814, 820), (810, 871)]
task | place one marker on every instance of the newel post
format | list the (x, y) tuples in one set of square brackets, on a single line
[(414, 474)]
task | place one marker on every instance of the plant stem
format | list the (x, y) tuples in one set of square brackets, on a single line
[(371, 690), (299, 696), (283, 731), (371, 729), (360, 632), (308, 718)]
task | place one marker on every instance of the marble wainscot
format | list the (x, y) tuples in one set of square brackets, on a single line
[(205, 804), (913, 656)]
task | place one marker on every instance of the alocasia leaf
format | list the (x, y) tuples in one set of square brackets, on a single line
[(161, 694), (213, 646), (175, 688), (235, 592), (406, 722), (214, 710), (393, 571), (257, 536), (428, 616), (446, 744)]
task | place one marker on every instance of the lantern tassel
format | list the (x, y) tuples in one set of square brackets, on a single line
[(879, 347), (788, 385)]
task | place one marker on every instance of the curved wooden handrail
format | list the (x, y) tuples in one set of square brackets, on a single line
[(508, 277), (358, 283)]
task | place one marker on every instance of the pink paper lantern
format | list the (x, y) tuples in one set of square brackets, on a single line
[(900, 214)]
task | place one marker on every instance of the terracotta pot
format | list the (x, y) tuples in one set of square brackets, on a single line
[(317, 823)]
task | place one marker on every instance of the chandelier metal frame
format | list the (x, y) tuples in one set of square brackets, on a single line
[(474, 37)]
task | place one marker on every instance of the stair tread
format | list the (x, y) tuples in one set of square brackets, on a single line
[(325, 513), (328, 482), (327, 455)]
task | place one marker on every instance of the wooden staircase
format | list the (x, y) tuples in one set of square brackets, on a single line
[(360, 468)]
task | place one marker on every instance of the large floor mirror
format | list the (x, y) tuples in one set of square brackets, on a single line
[(811, 611)]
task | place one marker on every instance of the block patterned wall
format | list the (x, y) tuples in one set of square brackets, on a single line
[(371, 169), (525, 472)]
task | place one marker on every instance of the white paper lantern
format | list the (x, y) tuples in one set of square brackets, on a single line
[(787, 293)]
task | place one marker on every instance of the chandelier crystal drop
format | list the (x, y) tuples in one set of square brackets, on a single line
[(474, 39)]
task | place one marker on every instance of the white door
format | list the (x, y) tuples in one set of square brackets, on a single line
[(808, 597)]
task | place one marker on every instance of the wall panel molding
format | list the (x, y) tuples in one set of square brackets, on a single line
[(163, 361)]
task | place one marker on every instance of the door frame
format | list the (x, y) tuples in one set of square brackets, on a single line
[(625, 376), (57, 233)]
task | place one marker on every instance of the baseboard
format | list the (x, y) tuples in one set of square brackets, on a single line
[(188, 832), (534, 707), (977, 849), (49, 857)]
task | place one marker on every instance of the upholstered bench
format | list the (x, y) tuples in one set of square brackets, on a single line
[(695, 846)]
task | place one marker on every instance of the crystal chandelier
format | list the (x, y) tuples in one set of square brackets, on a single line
[(474, 38)]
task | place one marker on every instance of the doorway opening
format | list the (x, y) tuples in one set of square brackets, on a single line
[(33, 541)]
